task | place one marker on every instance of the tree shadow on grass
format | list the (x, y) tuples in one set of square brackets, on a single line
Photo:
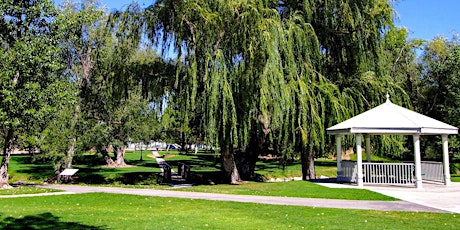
[(38, 172), (326, 163), (42, 221), (90, 176), (143, 163), (35, 169), (204, 169), (89, 160)]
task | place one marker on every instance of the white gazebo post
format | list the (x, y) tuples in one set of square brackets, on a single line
[(418, 164), (339, 156), (445, 153), (359, 159), (368, 148)]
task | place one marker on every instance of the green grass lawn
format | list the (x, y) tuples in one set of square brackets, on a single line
[(205, 168), (114, 211), (93, 170), (272, 169), (26, 190), (207, 163), (23, 168), (291, 189)]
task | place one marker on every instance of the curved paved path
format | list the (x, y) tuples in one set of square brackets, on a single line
[(311, 202)]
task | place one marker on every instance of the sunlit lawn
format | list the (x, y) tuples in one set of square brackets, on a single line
[(25, 190), (272, 169), (291, 189), (114, 211), (144, 173)]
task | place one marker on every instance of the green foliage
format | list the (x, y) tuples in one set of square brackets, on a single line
[(31, 90), (29, 85), (279, 71), (439, 90)]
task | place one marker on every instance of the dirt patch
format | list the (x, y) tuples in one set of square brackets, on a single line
[(346, 154), (164, 156), (114, 166), (268, 157)]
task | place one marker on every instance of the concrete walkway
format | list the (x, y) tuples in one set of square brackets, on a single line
[(310, 202), (160, 160), (436, 196)]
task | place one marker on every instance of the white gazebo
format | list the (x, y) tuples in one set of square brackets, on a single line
[(386, 119)]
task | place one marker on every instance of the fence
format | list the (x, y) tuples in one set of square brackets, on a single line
[(391, 173), (349, 172), (433, 171)]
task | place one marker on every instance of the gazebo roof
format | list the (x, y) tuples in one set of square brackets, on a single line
[(389, 118)]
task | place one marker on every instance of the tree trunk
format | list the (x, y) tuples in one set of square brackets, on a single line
[(247, 165), (120, 153), (68, 159), (247, 161), (229, 169), (70, 153), (7, 150), (107, 158), (308, 164)]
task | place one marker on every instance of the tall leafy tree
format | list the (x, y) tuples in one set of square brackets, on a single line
[(440, 86), (351, 36), (121, 74), (108, 63), (30, 89), (245, 71)]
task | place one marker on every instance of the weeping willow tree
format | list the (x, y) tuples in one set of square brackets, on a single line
[(281, 71), (354, 38), (247, 73)]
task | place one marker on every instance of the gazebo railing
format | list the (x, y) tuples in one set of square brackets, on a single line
[(388, 173), (379, 173), (391, 173), (349, 172), (433, 171)]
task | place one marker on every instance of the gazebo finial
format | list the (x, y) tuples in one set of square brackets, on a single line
[(388, 97)]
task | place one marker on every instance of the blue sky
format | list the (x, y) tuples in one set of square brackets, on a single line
[(425, 19)]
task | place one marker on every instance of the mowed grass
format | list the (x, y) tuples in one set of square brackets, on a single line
[(272, 169), (114, 211), (26, 190), (92, 169), (303, 189)]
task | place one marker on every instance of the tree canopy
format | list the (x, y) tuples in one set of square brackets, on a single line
[(274, 71), (31, 90)]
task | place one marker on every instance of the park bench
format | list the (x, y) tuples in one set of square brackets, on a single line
[(183, 172), (168, 176), (66, 176)]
